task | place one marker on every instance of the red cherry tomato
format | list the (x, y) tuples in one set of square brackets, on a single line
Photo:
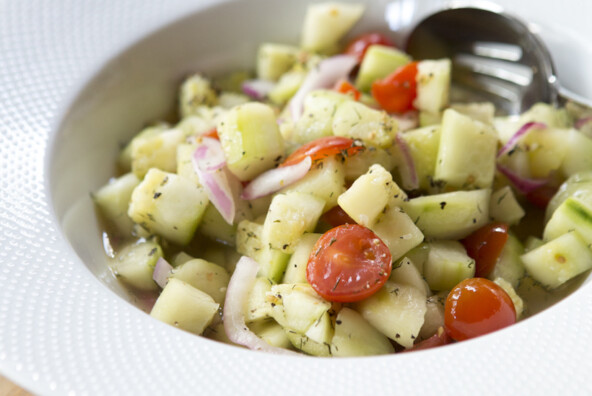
[(358, 46), (541, 196), (396, 92), (348, 263), (347, 88), (438, 339), (477, 306), (337, 216), (485, 246), (322, 148)]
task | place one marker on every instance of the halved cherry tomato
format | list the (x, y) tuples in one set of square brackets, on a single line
[(360, 44), (322, 148), (541, 196), (440, 338), (477, 306), (348, 263), (485, 246), (396, 92), (212, 133), (337, 216), (347, 88)]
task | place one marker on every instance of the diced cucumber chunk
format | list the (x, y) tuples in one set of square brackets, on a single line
[(356, 165), (447, 265), (579, 147), (423, 146), (419, 255), (168, 205), (287, 86), (248, 238), (180, 258), (205, 276), (296, 268), (258, 306), (196, 91), (406, 273), (134, 265), (509, 289), (125, 157), (466, 155), (559, 260), (317, 117), (273, 60), (379, 61), (326, 182), (228, 100), (251, 140), (434, 316), (433, 85), (195, 126), (397, 311), (183, 306), (326, 23), (158, 151), (185, 167), (450, 215), (509, 265), (483, 112), (307, 345), (358, 121), (272, 263), (548, 114), (354, 336), (572, 215), (368, 196), (504, 207), (579, 185), (215, 227), (113, 199), (289, 217), (397, 231), (547, 149), (272, 333), (296, 306)]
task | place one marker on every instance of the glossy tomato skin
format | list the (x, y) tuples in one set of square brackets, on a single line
[(337, 216), (541, 196), (396, 92), (485, 246), (347, 88), (348, 263), (358, 46), (477, 306), (324, 147), (439, 339)]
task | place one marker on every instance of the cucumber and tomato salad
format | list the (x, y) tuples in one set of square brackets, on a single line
[(336, 203)]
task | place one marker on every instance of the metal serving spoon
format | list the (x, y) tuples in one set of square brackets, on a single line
[(495, 56)]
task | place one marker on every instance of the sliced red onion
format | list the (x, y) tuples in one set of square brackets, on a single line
[(240, 285), (276, 179), (582, 121), (407, 121), (529, 126), (522, 184), (410, 177), (325, 75), (257, 89), (211, 172), (161, 273)]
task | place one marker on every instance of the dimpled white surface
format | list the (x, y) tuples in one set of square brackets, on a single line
[(64, 332)]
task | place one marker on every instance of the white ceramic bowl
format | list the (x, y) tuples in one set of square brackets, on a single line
[(80, 78)]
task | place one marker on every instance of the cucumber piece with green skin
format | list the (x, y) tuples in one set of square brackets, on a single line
[(396, 310), (509, 265), (216, 228), (272, 333), (466, 154), (287, 86), (450, 215), (379, 61), (158, 151), (183, 306), (516, 300), (423, 146), (433, 85), (112, 200), (355, 120), (251, 140), (296, 268), (258, 306), (326, 181), (326, 23), (273, 60), (168, 205), (196, 91), (396, 229), (558, 260), (125, 157), (289, 217), (419, 255), (307, 345), (317, 117), (447, 265), (406, 273), (579, 147), (354, 336), (504, 207), (546, 150), (578, 185), (134, 265), (368, 196), (572, 215), (205, 276)]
